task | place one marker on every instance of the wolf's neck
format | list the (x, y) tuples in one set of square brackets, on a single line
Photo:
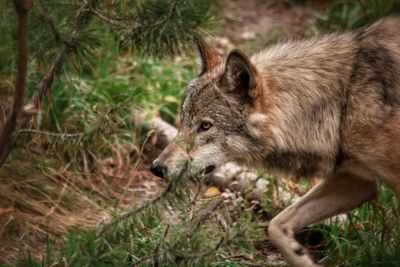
[(306, 80)]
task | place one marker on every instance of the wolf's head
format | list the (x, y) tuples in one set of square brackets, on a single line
[(221, 117)]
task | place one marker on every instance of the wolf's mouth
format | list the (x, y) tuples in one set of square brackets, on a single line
[(209, 169)]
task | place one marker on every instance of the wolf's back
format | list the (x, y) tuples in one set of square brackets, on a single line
[(380, 49)]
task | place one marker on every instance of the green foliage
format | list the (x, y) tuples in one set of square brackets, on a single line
[(158, 26), (350, 14)]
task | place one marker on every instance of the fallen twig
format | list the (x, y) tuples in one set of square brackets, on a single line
[(57, 135)]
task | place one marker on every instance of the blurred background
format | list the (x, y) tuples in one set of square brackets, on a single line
[(98, 72)]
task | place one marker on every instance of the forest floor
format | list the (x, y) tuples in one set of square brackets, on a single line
[(253, 24)]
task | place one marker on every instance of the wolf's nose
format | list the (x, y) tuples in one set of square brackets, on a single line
[(158, 169)]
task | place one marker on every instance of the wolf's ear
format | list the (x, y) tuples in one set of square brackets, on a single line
[(240, 76), (209, 57)]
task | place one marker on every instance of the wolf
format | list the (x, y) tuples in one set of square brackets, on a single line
[(326, 106)]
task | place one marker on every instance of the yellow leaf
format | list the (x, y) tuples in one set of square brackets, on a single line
[(212, 191)]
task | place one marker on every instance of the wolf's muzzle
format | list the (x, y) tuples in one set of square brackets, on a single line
[(158, 169)]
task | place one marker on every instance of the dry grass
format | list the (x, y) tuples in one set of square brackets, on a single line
[(45, 198), (41, 196)]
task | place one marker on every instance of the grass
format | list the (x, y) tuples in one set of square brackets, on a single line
[(130, 83), (370, 236), (351, 14)]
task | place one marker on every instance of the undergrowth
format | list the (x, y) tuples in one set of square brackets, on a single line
[(86, 147)]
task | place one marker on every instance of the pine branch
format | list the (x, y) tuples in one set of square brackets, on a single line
[(212, 206), (82, 17), (46, 16), (22, 7), (172, 188), (104, 226), (166, 27), (170, 15), (47, 81)]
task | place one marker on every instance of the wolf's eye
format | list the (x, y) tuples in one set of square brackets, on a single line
[(205, 125)]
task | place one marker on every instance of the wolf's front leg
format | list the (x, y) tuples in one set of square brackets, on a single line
[(332, 196)]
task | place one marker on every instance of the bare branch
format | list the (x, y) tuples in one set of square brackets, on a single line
[(50, 134), (22, 8), (104, 18), (48, 79)]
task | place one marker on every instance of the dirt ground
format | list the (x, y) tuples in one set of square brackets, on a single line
[(250, 25), (245, 20)]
